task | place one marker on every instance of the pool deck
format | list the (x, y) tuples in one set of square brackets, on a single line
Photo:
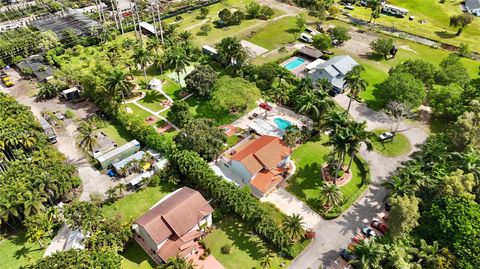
[(277, 112), (298, 71)]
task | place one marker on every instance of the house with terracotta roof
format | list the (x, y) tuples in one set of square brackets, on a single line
[(174, 225), (262, 162)]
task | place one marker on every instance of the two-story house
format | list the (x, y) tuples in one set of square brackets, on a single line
[(259, 161), (333, 70), (174, 225)]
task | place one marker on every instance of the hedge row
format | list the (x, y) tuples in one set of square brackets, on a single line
[(197, 173)]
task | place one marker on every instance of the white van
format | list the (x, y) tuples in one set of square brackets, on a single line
[(306, 37)]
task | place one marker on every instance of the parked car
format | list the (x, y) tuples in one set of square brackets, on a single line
[(368, 232), (334, 92), (306, 37), (347, 255), (385, 136), (349, 7), (381, 227)]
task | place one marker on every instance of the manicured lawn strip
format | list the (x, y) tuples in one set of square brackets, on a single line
[(276, 34), (274, 212), (247, 248), (117, 133), (391, 148), (134, 257), (305, 184), (16, 251), (138, 111), (152, 100), (437, 16), (136, 204)]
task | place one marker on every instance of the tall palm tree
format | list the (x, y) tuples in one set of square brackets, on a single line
[(369, 255), (142, 57), (88, 137), (153, 44), (116, 83), (429, 254), (335, 120), (293, 226), (339, 140), (357, 136), (231, 52), (178, 262), (355, 82), (177, 59), (330, 195)]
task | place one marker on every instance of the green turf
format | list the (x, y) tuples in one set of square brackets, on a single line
[(399, 146), (137, 111), (274, 212), (232, 140), (305, 184), (136, 204), (276, 34), (171, 88), (437, 16), (152, 100), (117, 133), (247, 248), (134, 257), (15, 251)]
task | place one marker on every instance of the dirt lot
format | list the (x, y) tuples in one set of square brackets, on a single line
[(24, 91)]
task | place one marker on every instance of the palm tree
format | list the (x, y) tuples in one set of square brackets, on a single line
[(142, 57), (153, 44), (113, 55), (231, 52), (398, 186), (312, 101), (178, 262), (357, 136), (33, 202), (116, 83), (330, 195), (28, 141), (293, 226), (266, 262), (339, 140), (335, 120), (369, 255), (185, 37), (88, 138), (429, 254), (177, 59), (356, 84)]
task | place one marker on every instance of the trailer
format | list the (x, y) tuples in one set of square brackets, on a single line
[(48, 129), (394, 10)]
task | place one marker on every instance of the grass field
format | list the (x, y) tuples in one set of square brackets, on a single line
[(276, 34), (152, 100), (15, 251), (136, 204), (399, 146), (305, 184), (117, 133), (137, 111), (437, 16), (247, 249), (134, 257)]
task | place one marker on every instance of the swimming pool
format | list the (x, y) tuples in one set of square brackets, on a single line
[(294, 64), (282, 123)]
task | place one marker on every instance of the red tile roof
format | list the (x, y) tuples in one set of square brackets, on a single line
[(175, 216), (264, 152), (265, 180)]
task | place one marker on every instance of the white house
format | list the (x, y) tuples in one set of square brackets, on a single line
[(262, 162), (173, 225), (473, 6), (333, 70)]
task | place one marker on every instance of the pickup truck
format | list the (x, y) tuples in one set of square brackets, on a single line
[(6, 79)]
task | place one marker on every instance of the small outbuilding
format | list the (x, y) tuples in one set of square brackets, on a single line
[(147, 28), (118, 154), (310, 53)]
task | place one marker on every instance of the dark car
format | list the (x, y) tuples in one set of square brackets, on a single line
[(347, 255), (334, 92), (368, 232), (381, 227)]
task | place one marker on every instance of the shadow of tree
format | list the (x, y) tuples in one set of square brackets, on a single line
[(134, 253), (243, 239), (445, 34)]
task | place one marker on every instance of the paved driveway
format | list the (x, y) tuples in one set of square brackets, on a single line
[(289, 204), (335, 234)]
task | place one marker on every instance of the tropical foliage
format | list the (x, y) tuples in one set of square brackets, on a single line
[(74, 258)]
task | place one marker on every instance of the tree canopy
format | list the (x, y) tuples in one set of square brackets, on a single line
[(402, 87), (234, 94), (201, 80)]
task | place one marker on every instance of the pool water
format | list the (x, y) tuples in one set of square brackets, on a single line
[(282, 123), (294, 64)]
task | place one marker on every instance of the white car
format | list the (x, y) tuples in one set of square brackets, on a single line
[(385, 136)]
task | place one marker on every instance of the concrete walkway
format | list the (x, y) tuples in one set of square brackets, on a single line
[(289, 204), (335, 234), (58, 242)]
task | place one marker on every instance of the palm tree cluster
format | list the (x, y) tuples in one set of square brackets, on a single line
[(345, 136), (293, 226), (312, 102), (355, 83), (32, 175)]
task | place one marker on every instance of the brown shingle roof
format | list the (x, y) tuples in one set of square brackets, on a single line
[(177, 215), (311, 52), (263, 153)]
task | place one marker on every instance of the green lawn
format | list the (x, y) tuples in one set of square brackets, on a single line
[(399, 146), (137, 111), (136, 204), (305, 184), (276, 34), (437, 16), (171, 88), (377, 69), (15, 251), (232, 140), (152, 100), (247, 248), (134, 257), (117, 133)]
